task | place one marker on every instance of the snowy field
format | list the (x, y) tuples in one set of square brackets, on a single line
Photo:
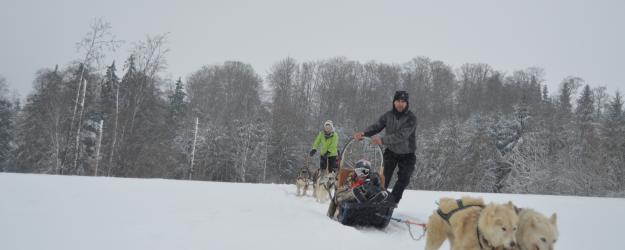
[(65, 213)]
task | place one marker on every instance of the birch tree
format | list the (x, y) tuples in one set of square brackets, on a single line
[(92, 46)]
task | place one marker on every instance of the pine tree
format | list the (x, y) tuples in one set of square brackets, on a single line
[(6, 128), (109, 107), (144, 141), (615, 109), (177, 101), (613, 134), (564, 99), (584, 114), (586, 150), (108, 93)]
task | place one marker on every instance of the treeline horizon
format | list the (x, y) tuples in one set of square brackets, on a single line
[(479, 129)]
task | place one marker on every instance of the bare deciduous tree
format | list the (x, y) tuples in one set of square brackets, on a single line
[(96, 41)]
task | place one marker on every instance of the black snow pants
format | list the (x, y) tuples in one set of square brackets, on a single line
[(405, 164), (327, 162)]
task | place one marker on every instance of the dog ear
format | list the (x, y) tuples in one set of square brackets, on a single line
[(533, 222), (510, 204), (553, 219)]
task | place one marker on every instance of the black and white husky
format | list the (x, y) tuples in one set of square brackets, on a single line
[(303, 181), (324, 186)]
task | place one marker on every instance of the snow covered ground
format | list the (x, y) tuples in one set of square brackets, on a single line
[(65, 212)]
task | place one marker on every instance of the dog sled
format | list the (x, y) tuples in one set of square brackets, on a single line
[(369, 205)]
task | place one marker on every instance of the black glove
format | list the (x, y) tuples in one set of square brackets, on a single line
[(360, 194), (312, 152)]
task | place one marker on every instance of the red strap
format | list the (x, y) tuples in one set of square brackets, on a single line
[(358, 183)]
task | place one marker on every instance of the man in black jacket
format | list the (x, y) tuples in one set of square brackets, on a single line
[(400, 142)]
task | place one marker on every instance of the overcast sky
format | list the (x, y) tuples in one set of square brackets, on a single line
[(581, 38)]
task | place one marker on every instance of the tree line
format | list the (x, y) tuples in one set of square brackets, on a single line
[(479, 129)]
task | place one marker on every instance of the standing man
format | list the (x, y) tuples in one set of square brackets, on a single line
[(328, 140), (400, 142)]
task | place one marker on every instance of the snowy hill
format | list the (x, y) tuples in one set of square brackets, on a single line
[(62, 212)]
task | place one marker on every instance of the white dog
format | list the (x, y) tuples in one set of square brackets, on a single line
[(536, 232), (324, 186), (469, 224)]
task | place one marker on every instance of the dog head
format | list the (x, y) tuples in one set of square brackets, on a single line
[(498, 225), (303, 174), (328, 179), (537, 232)]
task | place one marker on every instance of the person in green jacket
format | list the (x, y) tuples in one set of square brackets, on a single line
[(327, 142)]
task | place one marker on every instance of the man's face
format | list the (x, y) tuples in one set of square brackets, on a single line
[(400, 105)]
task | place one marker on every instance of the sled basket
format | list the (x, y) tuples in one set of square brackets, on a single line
[(356, 150), (375, 215)]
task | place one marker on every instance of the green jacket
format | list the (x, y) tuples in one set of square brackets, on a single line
[(328, 145)]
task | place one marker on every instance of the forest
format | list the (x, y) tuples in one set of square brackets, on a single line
[(479, 129)]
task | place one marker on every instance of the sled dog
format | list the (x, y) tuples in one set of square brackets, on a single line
[(324, 186), (536, 232), (469, 224), (302, 182)]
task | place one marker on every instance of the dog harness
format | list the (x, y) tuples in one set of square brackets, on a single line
[(461, 206)]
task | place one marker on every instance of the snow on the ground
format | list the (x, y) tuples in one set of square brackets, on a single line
[(65, 213)]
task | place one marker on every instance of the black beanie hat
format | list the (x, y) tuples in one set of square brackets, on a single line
[(400, 95)]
